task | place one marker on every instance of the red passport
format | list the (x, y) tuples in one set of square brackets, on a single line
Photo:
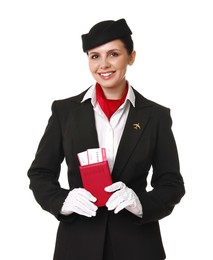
[(95, 178)]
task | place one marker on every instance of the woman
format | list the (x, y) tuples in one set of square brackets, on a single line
[(136, 134)]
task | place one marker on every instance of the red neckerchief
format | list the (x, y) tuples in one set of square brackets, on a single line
[(109, 106)]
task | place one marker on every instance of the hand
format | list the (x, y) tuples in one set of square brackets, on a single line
[(79, 201), (123, 197)]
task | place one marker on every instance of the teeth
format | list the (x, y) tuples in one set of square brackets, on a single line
[(106, 74)]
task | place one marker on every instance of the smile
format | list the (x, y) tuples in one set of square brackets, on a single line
[(106, 74)]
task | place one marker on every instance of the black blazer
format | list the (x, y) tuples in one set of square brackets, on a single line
[(70, 130)]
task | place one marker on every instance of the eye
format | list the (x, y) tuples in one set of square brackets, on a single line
[(114, 54), (94, 57)]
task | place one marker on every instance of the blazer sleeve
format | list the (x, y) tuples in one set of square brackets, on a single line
[(45, 169), (167, 182)]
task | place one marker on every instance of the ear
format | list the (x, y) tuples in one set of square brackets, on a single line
[(132, 58)]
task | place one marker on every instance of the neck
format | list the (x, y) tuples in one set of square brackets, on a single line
[(109, 106), (114, 93)]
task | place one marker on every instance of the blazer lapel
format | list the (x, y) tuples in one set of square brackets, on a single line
[(133, 131), (86, 127)]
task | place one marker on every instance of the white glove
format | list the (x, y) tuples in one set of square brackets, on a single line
[(79, 201), (123, 197)]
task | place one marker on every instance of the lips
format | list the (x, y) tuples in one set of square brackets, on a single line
[(106, 75)]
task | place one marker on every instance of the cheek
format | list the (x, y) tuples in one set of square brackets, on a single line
[(122, 68), (92, 67), (121, 64)]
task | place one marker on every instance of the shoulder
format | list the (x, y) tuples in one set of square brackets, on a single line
[(149, 108), (74, 99), (65, 109), (153, 107), (69, 103)]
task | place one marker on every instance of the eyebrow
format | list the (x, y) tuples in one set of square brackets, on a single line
[(96, 52)]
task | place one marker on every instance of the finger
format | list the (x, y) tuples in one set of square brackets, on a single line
[(119, 195), (86, 204), (115, 186), (86, 194), (80, 211), (122, 206), (112, 205), (116, 199)]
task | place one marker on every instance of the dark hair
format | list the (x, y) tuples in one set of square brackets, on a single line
[(128, 43)]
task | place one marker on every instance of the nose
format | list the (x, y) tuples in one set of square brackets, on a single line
[(104, 63)]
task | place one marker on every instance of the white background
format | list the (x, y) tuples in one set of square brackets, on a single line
[(41, 60)]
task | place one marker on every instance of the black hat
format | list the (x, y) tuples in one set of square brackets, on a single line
[(104, 32)]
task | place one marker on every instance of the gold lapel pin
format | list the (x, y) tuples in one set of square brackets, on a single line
[(137, 126)]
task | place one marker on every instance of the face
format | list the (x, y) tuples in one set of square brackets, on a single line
[(108, 64)]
